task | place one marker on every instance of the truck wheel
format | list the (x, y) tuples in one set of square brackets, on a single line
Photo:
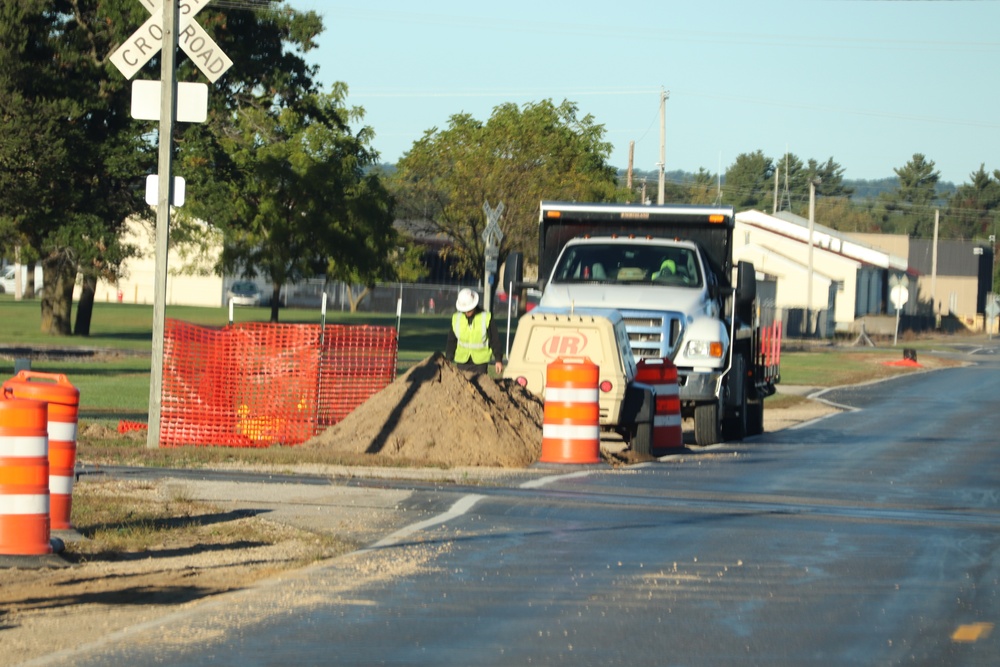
[(707, 427), (735, 427), (755, 417)]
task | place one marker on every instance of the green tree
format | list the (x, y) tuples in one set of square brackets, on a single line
[(60, 93), (842, 214), (70, 149), (520, 156), (908, 209), (974, 209), (299, 199), (831, 177), (749, 182), (704, 189)]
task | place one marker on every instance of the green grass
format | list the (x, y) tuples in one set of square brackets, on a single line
[(826, 367), (118, 387), (115, 386)]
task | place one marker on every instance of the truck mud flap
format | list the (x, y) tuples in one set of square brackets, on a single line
[(638, 410)]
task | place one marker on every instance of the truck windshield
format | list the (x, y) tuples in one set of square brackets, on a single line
[(618, 263)]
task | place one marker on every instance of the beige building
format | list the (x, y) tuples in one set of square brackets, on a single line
[(952, 279), (849, 278), (190, 281)]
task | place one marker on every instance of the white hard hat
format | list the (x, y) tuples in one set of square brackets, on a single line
[(467, 300)]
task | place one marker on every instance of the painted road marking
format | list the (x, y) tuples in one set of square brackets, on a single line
[(972, 632)]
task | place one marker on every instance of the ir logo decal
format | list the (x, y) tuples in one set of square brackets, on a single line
[(562, 345)]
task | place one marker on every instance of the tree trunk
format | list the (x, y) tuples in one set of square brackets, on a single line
[(28, 289), (57, 298), (356, 300), (275, 302), (85, 307)]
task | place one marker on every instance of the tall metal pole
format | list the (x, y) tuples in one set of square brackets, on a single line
[(663, 145), (165, 196), (809, 283), (934, 260)]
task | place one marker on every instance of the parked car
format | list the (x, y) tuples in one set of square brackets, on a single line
[(7, 279), (243, 293)]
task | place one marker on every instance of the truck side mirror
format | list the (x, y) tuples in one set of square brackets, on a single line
[(746, 283)]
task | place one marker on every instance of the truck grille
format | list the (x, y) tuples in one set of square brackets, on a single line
[(653, 335)]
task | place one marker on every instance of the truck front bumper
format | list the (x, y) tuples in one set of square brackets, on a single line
[(697, 386)]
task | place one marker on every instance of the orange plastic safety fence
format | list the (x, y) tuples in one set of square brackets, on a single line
[(257, 384), (357, 362)]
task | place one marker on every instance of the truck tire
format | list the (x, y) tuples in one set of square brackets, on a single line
[(707, 426), (755, 417), (734, 426)]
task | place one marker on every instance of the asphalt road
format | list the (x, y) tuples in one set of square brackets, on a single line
[(870, 537)]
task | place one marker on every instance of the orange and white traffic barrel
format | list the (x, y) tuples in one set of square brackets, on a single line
[(661, 374), (64, 404), (24, 478), (571, 431)]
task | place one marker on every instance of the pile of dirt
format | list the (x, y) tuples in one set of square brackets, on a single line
[(438, 414)]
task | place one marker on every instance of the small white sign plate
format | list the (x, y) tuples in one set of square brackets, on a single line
[(153, 190)]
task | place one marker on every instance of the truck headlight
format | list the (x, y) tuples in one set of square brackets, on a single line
[(704, 348)]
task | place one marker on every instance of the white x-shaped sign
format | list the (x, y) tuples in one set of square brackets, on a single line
[(191, 37)]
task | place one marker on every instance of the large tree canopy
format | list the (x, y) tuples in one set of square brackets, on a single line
[(69, 149), (909, 209), (519, 156), (298, 197)]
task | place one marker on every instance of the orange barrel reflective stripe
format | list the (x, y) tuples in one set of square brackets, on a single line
[(64, 401), (661, 374), (24, 478), (571, 430)]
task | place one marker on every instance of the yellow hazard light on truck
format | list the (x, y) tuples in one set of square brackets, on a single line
[(553, 214), (716, 218), (715, 350)]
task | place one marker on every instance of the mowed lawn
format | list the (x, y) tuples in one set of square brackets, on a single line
[(115, 384)]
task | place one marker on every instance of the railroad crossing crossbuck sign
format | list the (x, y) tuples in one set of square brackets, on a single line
[(191, 37), (492, 235)]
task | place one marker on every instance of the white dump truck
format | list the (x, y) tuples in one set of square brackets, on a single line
[(669, 272)]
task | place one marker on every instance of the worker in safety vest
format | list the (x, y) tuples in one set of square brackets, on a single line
[(473, 339)]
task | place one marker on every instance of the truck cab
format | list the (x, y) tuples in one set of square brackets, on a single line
[(669, 272)]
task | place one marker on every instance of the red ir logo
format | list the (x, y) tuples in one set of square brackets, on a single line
[(565, 345)]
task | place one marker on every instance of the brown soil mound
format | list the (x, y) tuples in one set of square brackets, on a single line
[(438, 414)]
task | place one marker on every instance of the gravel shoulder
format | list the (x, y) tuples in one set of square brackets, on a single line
[(239, 534)]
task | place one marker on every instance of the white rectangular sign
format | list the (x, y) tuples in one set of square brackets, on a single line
[(192, 101), (153, 190)]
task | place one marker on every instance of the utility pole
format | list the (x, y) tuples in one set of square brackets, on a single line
[(664, 94), (168, 112), (631, 159), (934, 249), (812, 223), (774, 208)]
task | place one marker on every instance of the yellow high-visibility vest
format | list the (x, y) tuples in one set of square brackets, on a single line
[(473, 338)]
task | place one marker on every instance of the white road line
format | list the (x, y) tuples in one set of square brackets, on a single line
[(461, 506)]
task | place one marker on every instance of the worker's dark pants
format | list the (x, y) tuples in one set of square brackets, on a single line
[(470, 367)]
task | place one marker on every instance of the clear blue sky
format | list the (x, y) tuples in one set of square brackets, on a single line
[(868, 83)]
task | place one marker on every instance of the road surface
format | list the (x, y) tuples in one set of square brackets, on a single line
[(869, 537)]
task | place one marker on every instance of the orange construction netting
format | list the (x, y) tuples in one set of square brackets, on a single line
[(257, 384)]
